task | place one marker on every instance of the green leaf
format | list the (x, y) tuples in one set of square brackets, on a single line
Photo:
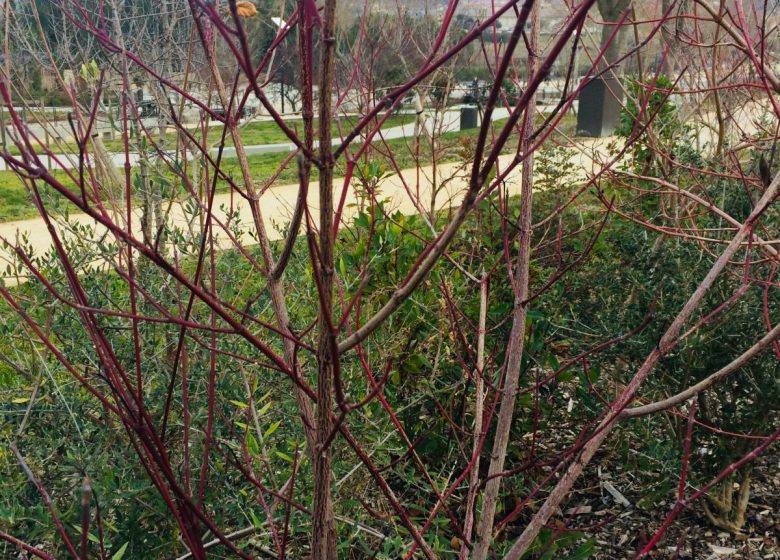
[(565, 376), (272, 429), (362, 220), (342, 267), (417, 363), (110, 526), (119, 554), (90, 536), (525, 400), (284, 456), (535, 315), (239, 404), (251, 445), (586, 550)]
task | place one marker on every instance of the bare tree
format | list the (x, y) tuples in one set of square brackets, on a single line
[(350, 309)]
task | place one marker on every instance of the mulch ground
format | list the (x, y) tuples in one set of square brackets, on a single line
[(691, 536)]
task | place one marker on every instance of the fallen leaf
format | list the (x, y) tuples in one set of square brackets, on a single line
[(246, 9), (722, 550), (579, 510)]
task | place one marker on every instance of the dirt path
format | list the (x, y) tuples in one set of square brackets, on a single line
[(277, 203)]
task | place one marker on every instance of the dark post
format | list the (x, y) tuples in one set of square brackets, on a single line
[(469, 118), (599, 108)]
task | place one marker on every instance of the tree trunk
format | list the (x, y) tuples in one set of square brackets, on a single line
[(600, 99), (611, 11), (324, 529), (479, 410), (517, 334)]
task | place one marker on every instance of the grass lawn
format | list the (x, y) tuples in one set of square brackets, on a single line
[(15, 203), (252, 133)]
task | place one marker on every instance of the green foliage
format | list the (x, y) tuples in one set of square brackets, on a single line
[(426, 372), (649, 107), (550, 545), (652, 277), (649, 101), (425, 351)]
